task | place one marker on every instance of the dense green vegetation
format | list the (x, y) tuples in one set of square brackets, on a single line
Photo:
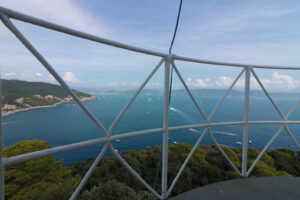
[(42, 178), (14, 89), (46, 178)]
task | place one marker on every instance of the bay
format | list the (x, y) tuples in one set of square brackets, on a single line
[(67, 123)]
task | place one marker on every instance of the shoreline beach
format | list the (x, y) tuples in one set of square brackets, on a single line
[(12, 112)]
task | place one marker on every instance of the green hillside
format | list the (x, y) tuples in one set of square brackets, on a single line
[(15, 89)]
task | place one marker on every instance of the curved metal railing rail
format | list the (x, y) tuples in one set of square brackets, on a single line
[(167, 60)]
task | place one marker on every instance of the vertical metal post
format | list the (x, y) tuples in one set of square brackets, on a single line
[(246, 119), (2, 195), (164, 177)]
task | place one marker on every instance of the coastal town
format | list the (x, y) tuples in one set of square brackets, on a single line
[(21, 105)]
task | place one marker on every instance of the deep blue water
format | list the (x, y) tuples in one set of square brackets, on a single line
[(67, 123)]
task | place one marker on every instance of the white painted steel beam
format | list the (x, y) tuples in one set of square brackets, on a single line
[(5, 14), (186, 161), (224, 153), (275, 136), (89, 173), (165, 138), (38, 154), (291, 136), (265, 149), (188, 91), (246, 120), (225, 95), (229, 64), (133, 172), (69, 31), (133, 97), (59, 149), (50, 69), (268, 95)]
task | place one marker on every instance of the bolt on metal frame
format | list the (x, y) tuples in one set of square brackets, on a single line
[(168, 60)]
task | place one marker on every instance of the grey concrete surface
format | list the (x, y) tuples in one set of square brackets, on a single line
[(264, 188)]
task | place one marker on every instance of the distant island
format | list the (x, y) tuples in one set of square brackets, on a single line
[(20, 95)]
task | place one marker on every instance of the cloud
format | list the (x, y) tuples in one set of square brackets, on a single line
[(223, 82), (31, 76), (28, 76), (38, 74), (278, 82), (281, 82), (70, 77), (64, 12), (9, 75)]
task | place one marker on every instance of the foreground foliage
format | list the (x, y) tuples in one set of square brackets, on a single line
[(46, 178), (42, 178)]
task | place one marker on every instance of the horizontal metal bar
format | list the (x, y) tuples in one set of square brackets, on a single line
[(174, 128), (195, 60), (38, 154), (62, 29), (136, 133), (274, 122), (78, 145), (205, 125)]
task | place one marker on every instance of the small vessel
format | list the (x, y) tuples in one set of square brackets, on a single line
[(169, 138), (238, 142), (174, 142), (117, 140), (250, 141), (116, 150)]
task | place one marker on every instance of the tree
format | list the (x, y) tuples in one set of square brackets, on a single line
[(113, 190), (42, 178), (287, 160)]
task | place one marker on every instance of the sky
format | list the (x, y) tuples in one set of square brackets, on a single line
[(256, 32)]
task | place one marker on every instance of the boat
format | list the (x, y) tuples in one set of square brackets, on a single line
[(250, 141), (174, 142), (117, 140), (238, 142)]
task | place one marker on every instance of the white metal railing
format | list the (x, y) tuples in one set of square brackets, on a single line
[(168, 60)]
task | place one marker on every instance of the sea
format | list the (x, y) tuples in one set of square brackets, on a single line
[(67, 123)]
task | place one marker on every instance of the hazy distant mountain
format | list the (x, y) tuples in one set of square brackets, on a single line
[(206, 92)]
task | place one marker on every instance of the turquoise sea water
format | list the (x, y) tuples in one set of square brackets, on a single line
[(67, 123)]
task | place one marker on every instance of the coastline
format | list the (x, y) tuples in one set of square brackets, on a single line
[(12, 112)]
